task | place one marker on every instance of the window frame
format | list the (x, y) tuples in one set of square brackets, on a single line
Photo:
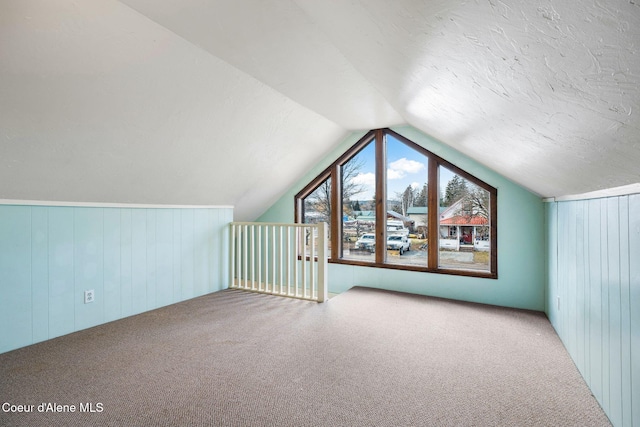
[(378, 137)]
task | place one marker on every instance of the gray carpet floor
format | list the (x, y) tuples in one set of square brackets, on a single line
[(365, 358)]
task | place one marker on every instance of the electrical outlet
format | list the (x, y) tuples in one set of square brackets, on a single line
[(89, 296)]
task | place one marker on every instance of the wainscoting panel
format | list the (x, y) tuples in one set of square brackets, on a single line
[(134, 259), (593, 296)]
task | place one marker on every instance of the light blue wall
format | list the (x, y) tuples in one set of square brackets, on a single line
[(521, 241), (593, 297), (135, 260)]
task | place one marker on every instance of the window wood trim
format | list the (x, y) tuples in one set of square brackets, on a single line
[(379, 138), (336, 212), (381, 194), (433, 213)]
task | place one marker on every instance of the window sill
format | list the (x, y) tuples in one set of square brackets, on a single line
[(467, 273)]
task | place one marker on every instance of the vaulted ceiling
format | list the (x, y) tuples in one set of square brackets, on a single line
[(230, 102)]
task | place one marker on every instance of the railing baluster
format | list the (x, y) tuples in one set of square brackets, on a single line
[(239, 257), (232, 258), (245, 246), (267, 262), (274, 252), (252, 262), (296, 255), (281, 259), (304, 263), (259, 245), (274, 259), (309, 287), (288, 260), (322, 263)]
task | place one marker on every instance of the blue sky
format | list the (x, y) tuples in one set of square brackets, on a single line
[(405, 167)]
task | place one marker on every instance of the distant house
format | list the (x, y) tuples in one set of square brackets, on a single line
[(365, 221), (395, 217), (418, 215), (371, 216), (364, 216), (457, 230), (463, 230)]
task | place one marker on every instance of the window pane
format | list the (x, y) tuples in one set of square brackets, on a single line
[(407, 184), (317, 208), (464, 224), (358, 206), (462, 230)]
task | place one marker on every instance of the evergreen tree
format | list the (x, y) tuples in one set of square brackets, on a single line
[(455, 190), (421, 199)]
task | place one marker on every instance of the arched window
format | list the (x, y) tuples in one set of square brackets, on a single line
[(391, 203)]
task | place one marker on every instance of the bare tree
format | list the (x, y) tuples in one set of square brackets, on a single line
[(475, 202), (320, 200), (350, 187), (407, 199)]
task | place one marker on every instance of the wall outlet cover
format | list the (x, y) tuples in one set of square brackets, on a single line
[(89, 296)]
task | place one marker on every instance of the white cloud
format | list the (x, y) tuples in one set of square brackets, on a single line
[(402, 167), (415, 185), (367, 180), (394, 174)]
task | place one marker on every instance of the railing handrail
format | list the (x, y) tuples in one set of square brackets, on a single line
[(279, 224)]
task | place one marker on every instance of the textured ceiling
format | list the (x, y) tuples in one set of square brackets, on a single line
[(220, 102)]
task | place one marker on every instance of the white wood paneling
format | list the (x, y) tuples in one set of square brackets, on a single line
[(596, 274), (134, 259), (634, 307)]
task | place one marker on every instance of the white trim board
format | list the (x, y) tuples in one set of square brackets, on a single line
[(624, 190), (107, 205)]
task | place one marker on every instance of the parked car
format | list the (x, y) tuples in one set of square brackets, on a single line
[(366, 242), (398, 242), (397, 227)]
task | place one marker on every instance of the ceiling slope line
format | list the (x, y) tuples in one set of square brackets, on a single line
[(355, 69), (239, 70), (625, 190)]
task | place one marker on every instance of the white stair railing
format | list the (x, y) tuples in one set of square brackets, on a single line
[(280, 259)]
